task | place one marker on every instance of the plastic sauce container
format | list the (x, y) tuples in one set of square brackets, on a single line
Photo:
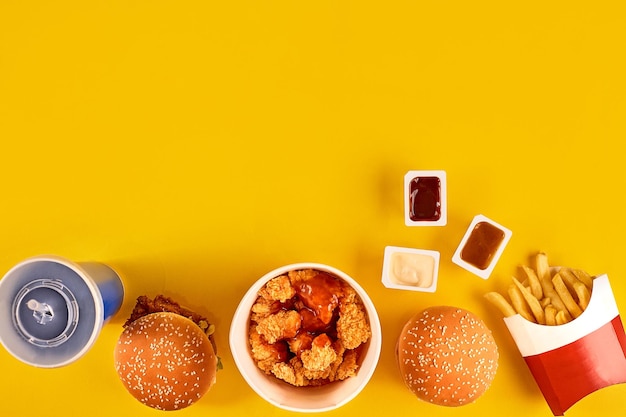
[(425, 198), (481, 246), (410, 269)]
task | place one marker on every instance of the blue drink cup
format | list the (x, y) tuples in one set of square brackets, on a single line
[(52, 309)]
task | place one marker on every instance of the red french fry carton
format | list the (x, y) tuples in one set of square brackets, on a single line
[(573, 360)]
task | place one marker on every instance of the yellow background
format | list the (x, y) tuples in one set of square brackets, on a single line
[(196, 145)]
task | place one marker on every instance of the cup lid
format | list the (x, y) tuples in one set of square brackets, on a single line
[(45, 312), (49, 312)]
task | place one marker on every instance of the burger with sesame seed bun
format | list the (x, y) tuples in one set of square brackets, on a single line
[(447, 356), (166, 356)]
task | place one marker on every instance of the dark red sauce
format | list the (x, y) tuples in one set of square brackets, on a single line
[(321, 295), (425, 199)]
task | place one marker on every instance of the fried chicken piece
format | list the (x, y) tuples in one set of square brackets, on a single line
[(317, 378), (295, 372), (302, 341), (285, 372), (265, 354), (160, 303), (263, 308), (296, 277), (320, 356), (348, 366), (291, 372), (278, 289), (282, 325), (349, 295), (352, 326), (340, 349), (144, 306), (320, 293)]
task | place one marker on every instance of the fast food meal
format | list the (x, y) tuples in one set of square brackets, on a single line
[(166, 355), (447, 356), (308, 328), (545, 295)]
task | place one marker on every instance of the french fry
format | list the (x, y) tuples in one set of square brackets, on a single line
[(542, 268), (556, 301), (565, 295), (517, 299), (545, 278), (532, 301), (533, 281), (542, 298), (569, 279), (561, 318), (550, 313), (583, 294), (501, 303), (584, 277)]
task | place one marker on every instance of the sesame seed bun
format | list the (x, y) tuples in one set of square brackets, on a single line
[(165, 361), (447, 356)]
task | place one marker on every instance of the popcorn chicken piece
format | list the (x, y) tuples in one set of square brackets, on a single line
[(321, 293), (282, 325), (291, 372), (302, 341), (285, 372), (265, 354), (349, 295), (296, 277), (348, 366), (317, 377), (352, 326), (278, 289), (263, 307), (338, 347), (320, 356)]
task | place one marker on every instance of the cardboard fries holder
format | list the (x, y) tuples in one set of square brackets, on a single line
[(572, 360)]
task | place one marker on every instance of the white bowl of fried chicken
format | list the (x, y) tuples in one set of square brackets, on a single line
[(306, 337)]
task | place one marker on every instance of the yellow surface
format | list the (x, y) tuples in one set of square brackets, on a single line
[(196, 145)]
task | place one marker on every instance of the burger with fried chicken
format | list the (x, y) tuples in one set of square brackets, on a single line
[(166, 356)]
